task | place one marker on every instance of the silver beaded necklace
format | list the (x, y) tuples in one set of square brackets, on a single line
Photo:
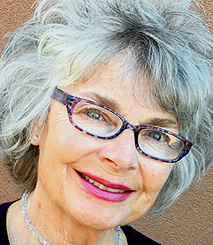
[(36, 233)]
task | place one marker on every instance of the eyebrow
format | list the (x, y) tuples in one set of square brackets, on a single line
[(109, 103), (162, 123)]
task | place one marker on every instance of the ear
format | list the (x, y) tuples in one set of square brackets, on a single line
[(35, 140)]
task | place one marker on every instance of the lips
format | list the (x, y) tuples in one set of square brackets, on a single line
[(101, 186), (103, 189)]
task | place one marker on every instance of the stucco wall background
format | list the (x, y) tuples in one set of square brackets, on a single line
[(188, 221)]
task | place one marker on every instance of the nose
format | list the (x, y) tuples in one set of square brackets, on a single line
[(120, 153)]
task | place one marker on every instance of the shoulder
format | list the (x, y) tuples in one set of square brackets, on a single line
[(4, 207), (3, 230), (134, 237), (3, 213)]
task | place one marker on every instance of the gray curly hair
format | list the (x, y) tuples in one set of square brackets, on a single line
[(62, 43)]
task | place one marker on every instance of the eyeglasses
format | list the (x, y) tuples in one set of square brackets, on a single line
[(101, 122)]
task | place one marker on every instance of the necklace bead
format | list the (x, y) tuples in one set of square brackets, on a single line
[(36, 233)]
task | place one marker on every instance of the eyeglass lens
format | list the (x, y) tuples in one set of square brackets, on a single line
[(101, 122)]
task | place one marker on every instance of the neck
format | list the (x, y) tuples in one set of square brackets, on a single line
[(58, 228)]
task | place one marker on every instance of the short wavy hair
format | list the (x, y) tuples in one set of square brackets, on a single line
[(62, 43)]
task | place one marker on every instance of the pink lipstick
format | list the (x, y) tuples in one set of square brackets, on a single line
[(104, 189)]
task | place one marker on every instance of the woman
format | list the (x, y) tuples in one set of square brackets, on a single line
[(106, 114)]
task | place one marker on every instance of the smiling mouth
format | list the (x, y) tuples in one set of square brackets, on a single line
[(104, 189), (115, 188), (101, 186)]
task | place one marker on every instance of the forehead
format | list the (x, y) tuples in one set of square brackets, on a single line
[(114, 77), (115, 87)]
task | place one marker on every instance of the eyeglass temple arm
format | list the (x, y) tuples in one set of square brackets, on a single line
[(61, 96)]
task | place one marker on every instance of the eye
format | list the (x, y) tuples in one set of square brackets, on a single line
[(94, 114), (158, 136)]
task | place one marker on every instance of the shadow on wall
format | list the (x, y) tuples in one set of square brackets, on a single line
[(186, 222), (8, 192)]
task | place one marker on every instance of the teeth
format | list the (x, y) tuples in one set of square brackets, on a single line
[(101, 186), (114, 190)]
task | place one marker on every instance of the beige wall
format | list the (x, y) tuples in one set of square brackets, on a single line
[(188, 221)]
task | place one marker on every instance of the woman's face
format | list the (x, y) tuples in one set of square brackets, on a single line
[(65, 152)]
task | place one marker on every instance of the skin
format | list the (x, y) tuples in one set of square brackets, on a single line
[(59, 207)]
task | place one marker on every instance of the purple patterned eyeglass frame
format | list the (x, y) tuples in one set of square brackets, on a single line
[(70, 102)]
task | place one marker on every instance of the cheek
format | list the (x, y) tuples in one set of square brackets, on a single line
[(65, 145), (154, 175), (73, 145)]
